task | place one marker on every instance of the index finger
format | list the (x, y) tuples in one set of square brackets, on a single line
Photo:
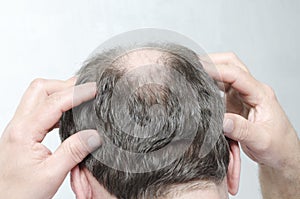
[(38, 90), (250, 89), (47, 114), (227, 58)]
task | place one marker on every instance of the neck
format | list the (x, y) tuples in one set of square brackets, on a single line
[(210, 191)]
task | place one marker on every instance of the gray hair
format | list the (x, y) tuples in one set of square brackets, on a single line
[(176, 117)]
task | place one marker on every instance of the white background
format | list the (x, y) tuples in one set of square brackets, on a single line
[(51, 39)]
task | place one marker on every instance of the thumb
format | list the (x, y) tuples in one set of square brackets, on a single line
[(240, 129), (73, 150)]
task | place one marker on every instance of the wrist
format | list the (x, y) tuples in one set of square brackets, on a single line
[(289, 162), (288, 154), (282, 181)]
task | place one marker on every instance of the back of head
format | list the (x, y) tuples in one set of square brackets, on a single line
[(160, 117)]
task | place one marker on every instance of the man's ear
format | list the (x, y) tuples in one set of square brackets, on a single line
[(80, 184), (234, 167)]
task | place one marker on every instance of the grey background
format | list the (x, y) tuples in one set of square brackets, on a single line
[(51, 39)]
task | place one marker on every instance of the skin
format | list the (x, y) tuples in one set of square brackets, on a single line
[(258, 122), (26, 165)]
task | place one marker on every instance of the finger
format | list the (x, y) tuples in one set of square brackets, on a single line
[(211, 69), (72, 151), (227, 58), (38, 90), (240, 129), (251, 90), (58, 85), (52, 108)]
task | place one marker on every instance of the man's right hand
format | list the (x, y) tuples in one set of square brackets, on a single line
[(258, 122)]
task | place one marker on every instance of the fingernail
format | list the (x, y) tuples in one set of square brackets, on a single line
[(93, 84), (228, 125), (94, 142)]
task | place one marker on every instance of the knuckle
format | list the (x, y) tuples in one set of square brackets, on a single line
[(234, 59), (232, 55), (13, 137), (37, 83), (15, 133), (269, 91), (241, 71), (238, 71)]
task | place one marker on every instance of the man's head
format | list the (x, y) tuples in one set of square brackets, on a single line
[(160, 117)]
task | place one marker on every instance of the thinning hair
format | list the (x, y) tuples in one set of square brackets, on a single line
[(198, 122)]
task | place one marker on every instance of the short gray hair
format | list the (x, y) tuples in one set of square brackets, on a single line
[(207, 111)]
